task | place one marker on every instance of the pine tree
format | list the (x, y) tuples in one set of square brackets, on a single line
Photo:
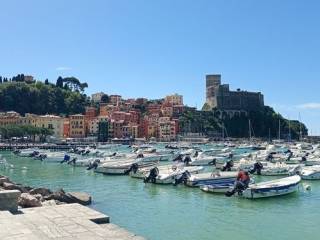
[(59, 82)]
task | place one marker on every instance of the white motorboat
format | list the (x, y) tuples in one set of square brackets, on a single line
[(217, 188), (30, 152), (123, 167), (171, 174), (196, 180), (272, 188), (310, 173), (279, 169)]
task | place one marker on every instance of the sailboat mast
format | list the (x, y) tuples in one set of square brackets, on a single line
[(279, 133), (289, 130), (249, 130), (300, 130)]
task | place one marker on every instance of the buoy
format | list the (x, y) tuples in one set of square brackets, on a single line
[(308, 187)]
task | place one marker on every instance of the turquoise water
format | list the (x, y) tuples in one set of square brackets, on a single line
[(179, 213)]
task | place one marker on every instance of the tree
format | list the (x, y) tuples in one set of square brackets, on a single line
[(105, 98), (0, 79), (59, 82), (46, 82)]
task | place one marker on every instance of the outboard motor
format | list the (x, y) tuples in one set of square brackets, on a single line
[(66, 158), (140, 155), (187, 160), (183, 179), (16, 151), (227, 166), (178, 158), (154, 172), (257, 167), (34, 154), (289, 156), (134, 168), (269, 157), (93, 165), (73, 161), (196, 154), (303, 159)]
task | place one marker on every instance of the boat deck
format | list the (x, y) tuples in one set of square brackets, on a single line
[(61, 222)]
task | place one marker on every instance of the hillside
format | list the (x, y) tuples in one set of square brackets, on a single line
[(63, 98), (263, 123)]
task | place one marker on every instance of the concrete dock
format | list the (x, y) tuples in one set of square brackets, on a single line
[(60, 222)]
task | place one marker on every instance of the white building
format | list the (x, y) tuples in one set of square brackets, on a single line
[(96, 97)]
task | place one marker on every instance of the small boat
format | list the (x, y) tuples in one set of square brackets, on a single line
[(310, 173), (196, 180), (171, 174), (217, 188), (122, 167), (279, 169), (272, 188)]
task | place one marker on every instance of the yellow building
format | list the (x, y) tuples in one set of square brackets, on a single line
[(77, 126), (46, 121), (10, 118), (166, 129)]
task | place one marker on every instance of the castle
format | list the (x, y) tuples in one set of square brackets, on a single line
[(219, 96)]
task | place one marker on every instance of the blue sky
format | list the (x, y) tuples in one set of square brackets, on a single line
[(153, 48)]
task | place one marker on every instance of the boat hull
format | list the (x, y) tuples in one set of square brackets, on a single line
[(271, 191)]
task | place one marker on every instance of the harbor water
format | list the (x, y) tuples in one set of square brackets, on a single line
[(178, 213)]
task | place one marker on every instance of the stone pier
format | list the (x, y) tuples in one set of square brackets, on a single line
[(60, 222)]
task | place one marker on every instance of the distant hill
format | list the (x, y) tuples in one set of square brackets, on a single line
[(263, 123), (63, 98)]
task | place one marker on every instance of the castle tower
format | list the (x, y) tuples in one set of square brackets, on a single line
[(213, 83)]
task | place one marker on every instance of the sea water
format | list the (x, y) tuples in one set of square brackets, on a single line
[(179, 213)]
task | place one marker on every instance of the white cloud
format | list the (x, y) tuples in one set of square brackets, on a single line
[(63, 68), (309, 106)]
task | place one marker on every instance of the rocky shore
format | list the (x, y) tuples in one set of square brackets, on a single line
[(37, 197)]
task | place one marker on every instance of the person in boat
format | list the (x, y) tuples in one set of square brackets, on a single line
[(242, 183)]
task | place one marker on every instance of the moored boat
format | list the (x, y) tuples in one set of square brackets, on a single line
[(272, 188)]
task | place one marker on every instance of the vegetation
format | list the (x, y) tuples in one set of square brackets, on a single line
[(63, 98), (19, 131), (264, 123)]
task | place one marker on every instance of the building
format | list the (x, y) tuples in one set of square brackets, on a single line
[(115, 99), (55, 123), (96, 97), (10, 118), (174, 99), (90, 113), (92, 126), (66, 128), (167, 129), (220, 97), (77, 126), (28, 78)]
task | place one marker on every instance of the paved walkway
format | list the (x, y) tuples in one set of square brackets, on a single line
[(61, 222)]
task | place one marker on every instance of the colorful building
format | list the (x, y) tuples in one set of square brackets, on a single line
[(77, 126)]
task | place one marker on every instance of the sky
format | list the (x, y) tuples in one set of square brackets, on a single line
[(143, 48)]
